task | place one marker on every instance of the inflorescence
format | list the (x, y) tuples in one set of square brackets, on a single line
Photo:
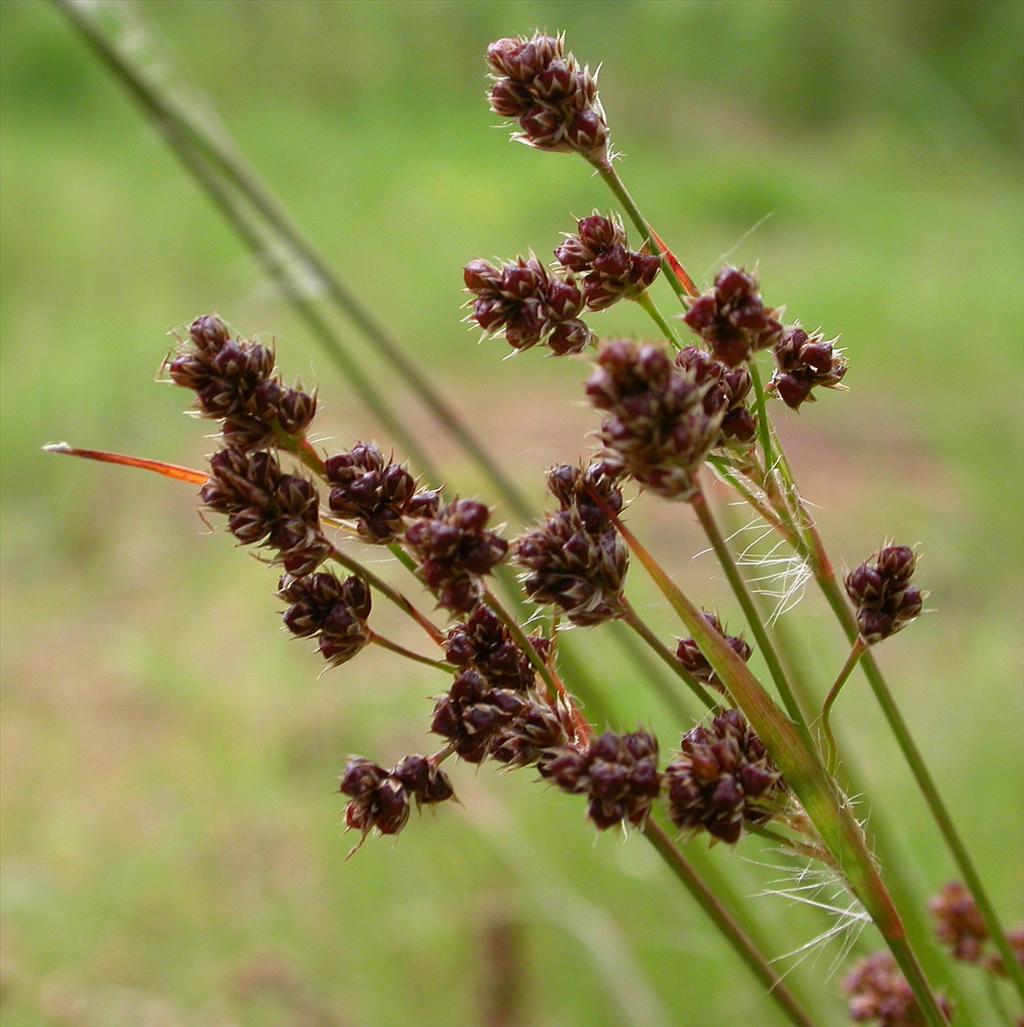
[(664, 415), (576, 561), (553, 99), (880, 589), (689, 654), (880, 993), (656, 427), (723, 778)]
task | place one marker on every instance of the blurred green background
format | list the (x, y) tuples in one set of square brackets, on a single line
[(172, 852)]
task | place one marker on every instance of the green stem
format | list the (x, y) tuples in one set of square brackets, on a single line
[(803, 771), (555, 687), (645, 301), (831, 750), (386, 643), (764, 432), (182, 129), (825, 576), (926, 784), (750, 611), (611, 178), (724, 921), (671, 696), (388, 591), (730, 477)]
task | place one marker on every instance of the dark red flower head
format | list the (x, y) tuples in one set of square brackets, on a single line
[(733, 319), (545, 90), (657, 429), (805, 361), (723, 778), (619, 773), (880, 589), (455, 550)]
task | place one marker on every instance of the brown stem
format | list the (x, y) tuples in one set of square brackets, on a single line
[(386, 643)]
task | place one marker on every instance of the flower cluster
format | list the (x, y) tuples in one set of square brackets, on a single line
[(958, 922), (733, 319), (471, 714), (725, 393), (552, 98), (657, 429), (376, 493), (455, 550), (995, 961), (723, 778), (379, 798), (804, 360), (333, 610), (601, 253), (878, 991), (575, 560), (265, 505), (880, 589), (483, 643), (619, 773), (689, 655), (234, 382), (534, 735), (529, 304)]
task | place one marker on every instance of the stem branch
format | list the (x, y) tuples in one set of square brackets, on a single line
[(831, 750)]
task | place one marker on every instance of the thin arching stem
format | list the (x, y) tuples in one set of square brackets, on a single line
[(646, 302), (831, 750), (386, 643), (636, 622), (681, 283), (388, 591)]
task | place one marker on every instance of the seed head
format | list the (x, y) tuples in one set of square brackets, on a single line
[(234, 382), (533, 736), (379, 798), (726, 391), (958, 922), (576, 560), (484, 643), (657, 429), (265, 506), (879, 992), (804, 360), (553, 99), (618, 772), (376, 493), (722, 779), (528, 303), (689, 655), (455, 550), (733, 319), (601, 252), (880, 589), (335, 610), (472, 712)]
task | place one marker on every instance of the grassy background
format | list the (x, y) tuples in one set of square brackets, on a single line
[(171, 845)]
